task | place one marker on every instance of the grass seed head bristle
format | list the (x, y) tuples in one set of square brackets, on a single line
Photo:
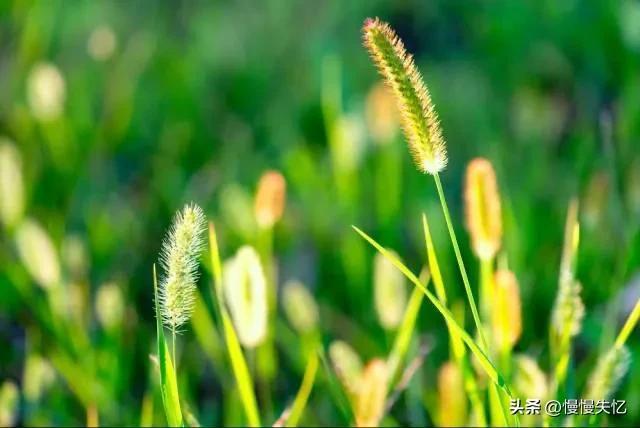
[(179, 259), (609, 371), (418, 116), (11, 184), (245, 290), (38, 254), (390, 293), (348, 366), (270, 199), (507, 316), (482, 208), (370, 403), (452, 398), (300, 306)]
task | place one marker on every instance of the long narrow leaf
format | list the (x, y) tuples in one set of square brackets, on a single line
[(482, 358), (305, 390), (168, 382), (238, 362)]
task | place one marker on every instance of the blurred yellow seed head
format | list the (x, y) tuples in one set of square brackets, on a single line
[(46, 91), (300, 307), (37, 377), (270, 199), (348, 366), (482, 208), (38, 254), (102, 43), (179, 259), (109, 305), (9, 404), (507, 314), (381, 113), (452, 398), (370, 404), (417, 112), (245, 291), (11, 185), (529, 381), (390, 293)]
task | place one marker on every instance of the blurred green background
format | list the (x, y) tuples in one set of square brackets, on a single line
[(123, 111)]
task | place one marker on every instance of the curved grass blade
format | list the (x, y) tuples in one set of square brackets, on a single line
[(168, 382), (305, 390), (238, 362), (473, 347)]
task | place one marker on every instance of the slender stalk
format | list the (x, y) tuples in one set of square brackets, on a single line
[(463, 271), (173, 351), (465, 280)]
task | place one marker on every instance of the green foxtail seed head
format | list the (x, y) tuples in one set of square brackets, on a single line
[(245, 290), (390, 292), (347, 364), (568, 309), (418, 115), (38, 254), (46, 92), (609, 371), (179, 260), (299, 306), (11, 185)]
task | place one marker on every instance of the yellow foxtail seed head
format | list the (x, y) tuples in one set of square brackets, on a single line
[(11, 185), (299, 306), (451, 394), (348, 366), (390, 293), (179, 259), (370, 404), (38, 254), (270, 199), (528, 378), (245, 290), (418, 115), (507, 316), (482, 207), (609, 371)]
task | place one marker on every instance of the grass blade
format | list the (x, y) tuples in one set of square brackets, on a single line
[(336, 389), (238, 362), (480, 355), (305, 390), (168, 381)]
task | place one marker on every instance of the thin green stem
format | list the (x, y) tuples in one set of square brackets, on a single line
[(173, 351), (463, 271), (628, 325)]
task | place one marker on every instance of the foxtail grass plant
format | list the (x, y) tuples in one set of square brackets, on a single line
[(568, 309), (390, 293), (175, 296), (422, 130)]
